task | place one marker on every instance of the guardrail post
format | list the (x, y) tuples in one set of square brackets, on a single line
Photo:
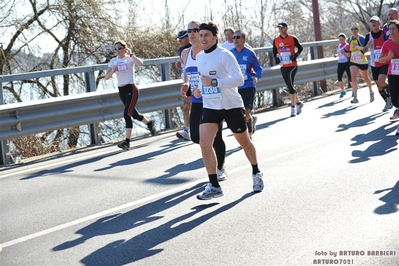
[(90, 84), (275, 92), (313, 56), (1, 92), (165, 75), (5, 157)]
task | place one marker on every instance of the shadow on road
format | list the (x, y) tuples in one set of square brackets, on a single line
[(268, 124), (121, 222), (68, 167), (391, 200), (171, 146), (167, 178), (382, 144), (122, 252), (360, 122), (339, 112)]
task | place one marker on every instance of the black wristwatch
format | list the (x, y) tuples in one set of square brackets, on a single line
[(214, 82)]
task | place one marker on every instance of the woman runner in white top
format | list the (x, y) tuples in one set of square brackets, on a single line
[(123, 66)]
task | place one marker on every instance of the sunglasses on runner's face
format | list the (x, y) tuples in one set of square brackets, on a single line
[(193, 30), (236, 37), (118, 48)]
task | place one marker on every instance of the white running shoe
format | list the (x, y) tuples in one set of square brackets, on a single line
[(299, 108), (183, 134), (210, 192), (372, 96), (222, 173), (258, 182), (293, 111)]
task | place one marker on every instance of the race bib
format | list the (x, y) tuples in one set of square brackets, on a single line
[(194, 80), (244, 71), (210, 91), (357, 57), (285, 57), (395, 66), (377, 54), (122, 67)]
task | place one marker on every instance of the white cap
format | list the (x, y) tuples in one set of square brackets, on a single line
[(375, 18)]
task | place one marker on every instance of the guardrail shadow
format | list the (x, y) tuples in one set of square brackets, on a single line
[(67, 168), (169, 147), (391, 200), (141, 246), (382, 143)]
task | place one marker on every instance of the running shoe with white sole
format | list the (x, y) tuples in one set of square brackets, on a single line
[(388, 105), (210, 192), (293, 111), (342, 94), (258, 182), (372, 96), (299, 108), (395, 116), (222, 173), (183, 134)]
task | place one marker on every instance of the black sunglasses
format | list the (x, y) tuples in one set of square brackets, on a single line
[(236, 37), (193, 30), (119, 48)]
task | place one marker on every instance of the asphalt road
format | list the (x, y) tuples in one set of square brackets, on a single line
[(331, 197)]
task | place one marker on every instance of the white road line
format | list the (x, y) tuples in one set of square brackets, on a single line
[(140, 201)]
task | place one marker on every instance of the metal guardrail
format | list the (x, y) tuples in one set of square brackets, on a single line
[(21, 119)]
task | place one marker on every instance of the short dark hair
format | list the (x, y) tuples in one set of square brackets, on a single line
[(211, 26), (394, 22)]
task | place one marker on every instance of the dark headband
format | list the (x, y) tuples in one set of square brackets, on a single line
[(208, 27)]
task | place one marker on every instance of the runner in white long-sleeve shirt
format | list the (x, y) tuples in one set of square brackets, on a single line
[(220, 77)]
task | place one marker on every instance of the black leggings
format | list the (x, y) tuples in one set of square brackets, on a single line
[(129, 95), (288, 74), (393, 83), (343, 67), (218, 144)]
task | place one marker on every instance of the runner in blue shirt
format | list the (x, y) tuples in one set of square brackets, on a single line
[(252, 71)]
